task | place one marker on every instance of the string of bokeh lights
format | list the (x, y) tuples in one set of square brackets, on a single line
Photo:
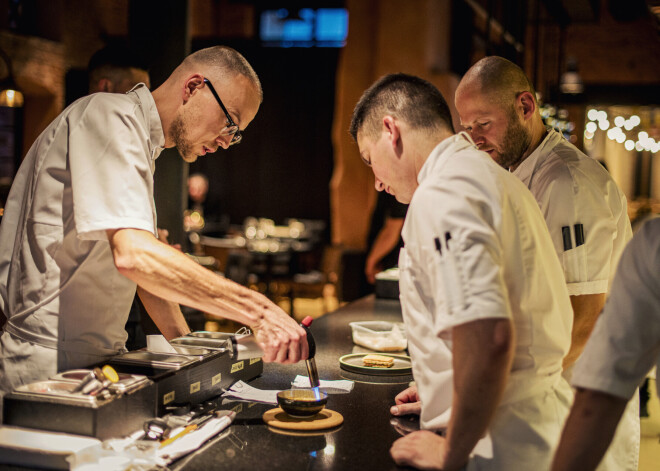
[(622, 132)]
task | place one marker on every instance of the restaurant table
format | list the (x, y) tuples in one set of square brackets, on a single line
[(363, 440)]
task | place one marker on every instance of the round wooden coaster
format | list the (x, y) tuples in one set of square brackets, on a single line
[(325, 419)]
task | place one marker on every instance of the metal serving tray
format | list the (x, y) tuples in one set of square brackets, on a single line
[(126, 383), (205, 334), (58, 391), (210, 343), (156, 360)]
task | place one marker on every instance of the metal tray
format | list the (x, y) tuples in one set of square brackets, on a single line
[(210, 343), (157, 360), (127, 382), (205, 334), (60, 391)]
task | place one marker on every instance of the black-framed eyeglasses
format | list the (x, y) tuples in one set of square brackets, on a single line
[(231, 129)]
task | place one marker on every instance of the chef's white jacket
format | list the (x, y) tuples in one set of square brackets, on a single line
[(625, 343), (476, 247), (572, 188), (89, 171)]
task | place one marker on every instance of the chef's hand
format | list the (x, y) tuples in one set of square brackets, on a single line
[(371, 268), (422, 450), (407, 402), (280, 337)]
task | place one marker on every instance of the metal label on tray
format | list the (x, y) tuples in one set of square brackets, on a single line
[(195, 387), (169, 397), (254, 360), (216, 379), (237, 366)]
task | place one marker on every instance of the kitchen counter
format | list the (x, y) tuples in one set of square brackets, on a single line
[(361, 442)]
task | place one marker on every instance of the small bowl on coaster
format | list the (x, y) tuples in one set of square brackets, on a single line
[(302, 403)]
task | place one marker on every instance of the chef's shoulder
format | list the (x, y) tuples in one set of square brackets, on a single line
[(104, 108)]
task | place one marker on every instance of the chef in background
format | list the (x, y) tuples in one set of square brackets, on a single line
[(115, 69), (79, 230), (584, 209), (483, 295)]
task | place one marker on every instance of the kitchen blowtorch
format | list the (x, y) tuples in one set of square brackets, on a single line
[(243, 347)]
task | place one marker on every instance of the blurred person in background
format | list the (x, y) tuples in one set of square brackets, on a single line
[(384, 239), (115, 69)]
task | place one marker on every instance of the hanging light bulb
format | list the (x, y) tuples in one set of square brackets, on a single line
[(10, 95)]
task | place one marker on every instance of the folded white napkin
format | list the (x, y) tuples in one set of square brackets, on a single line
[(338, 386), (159, 344), (192, 441), (241, 390)]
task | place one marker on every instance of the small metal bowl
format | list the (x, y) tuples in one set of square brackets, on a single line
[(302, 402)]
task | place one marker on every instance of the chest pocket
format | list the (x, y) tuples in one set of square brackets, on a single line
[(437, 280)]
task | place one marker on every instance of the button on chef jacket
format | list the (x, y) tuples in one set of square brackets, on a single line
[(91, 170), (499, 263)]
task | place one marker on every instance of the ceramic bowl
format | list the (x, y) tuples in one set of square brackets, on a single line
[(302, 402)]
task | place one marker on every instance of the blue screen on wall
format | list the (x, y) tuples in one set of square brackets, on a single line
[(306, 27)]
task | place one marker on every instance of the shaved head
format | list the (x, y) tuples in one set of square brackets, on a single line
[(498, 79), (220, 63)]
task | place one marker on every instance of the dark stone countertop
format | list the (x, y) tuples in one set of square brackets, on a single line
[(361, 442)]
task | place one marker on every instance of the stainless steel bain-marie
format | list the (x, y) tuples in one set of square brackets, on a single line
[(202, 368), (55, 405)]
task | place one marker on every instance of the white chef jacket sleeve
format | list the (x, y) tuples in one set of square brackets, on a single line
[(465, 280), (111, 177), (625, 342)]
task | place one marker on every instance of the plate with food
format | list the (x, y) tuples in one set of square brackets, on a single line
[(376, 364)]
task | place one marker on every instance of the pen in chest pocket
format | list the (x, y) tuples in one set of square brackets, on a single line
[(450, 274)]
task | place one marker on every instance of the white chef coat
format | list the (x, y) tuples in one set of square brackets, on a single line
[(89, 171), (572, 188), (625, 343), (498, 263)]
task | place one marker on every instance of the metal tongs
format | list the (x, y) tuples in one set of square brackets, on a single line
[(97, 381)]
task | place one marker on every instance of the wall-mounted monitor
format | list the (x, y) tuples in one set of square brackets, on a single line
[(304, 27)]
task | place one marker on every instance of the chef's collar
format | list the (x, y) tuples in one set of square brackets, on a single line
[(527, 167), (438, 156), (151, 116)]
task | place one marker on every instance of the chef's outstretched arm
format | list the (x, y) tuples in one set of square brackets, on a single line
[(166, 315), (482, 355), (588, 431), (169, 274)]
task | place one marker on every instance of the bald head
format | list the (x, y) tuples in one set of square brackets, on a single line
[(497, 79), (497, 106)]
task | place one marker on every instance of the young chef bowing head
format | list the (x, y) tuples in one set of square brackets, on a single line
[(386, 124), (483, 297), (208, 101)]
